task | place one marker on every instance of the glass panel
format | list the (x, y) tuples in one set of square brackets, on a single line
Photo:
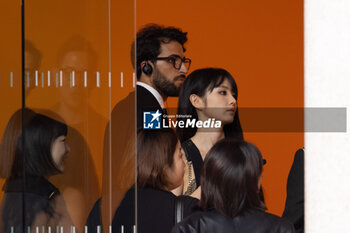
[(73, 81), (71, 87), (10, 100), (119, 144)]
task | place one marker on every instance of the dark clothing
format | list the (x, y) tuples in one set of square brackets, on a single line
[(94, 218), (38, 198), (294, 208), (145, 102), (119, 142), (251, 222), (155, 211), (193, 154)]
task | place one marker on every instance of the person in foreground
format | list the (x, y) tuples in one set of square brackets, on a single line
[(160, 169), (230, 183)]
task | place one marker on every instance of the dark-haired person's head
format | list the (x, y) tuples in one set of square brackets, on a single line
[(76, 58), (159, 159), (210, 93), (160, 59), (42, 145), (231, 178)]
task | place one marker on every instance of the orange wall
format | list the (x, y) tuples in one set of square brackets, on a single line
[(261, 44)]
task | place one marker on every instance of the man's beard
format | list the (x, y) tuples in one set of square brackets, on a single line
[(164, 86)]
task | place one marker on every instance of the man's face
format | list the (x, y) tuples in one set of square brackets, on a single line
[(77, 61), (166, 79)]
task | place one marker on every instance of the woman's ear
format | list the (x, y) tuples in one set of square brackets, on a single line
[(196, 101)]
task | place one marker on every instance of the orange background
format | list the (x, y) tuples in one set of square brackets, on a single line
[(261, 44), (48, 25)]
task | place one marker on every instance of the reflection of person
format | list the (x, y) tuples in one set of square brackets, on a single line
[(76, 55), (160, 169), (79, 186), (161, 67), (206, 93), (42, 150), (230, 181), (294, 208), (32, 61)]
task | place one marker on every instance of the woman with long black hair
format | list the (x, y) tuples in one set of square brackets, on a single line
[(207, 94), (230, 183)]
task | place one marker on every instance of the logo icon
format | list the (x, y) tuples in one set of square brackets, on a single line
[(151, 120)]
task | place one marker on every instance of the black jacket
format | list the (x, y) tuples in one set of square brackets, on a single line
[(38, 198), (145, 102), (294, 208), (155, 211), (251, 222)]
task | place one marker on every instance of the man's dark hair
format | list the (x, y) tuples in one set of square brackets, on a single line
[(148, 42), (230, 177)]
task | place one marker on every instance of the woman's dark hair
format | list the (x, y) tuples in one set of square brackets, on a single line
[(155, 152), (199, 82), (39, 133), (230, 177), (148, 42)]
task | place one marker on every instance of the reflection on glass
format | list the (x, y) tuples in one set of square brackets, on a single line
[(32, 61), (77, 62), (42, 149)]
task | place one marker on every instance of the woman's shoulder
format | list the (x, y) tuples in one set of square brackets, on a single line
[(192, 152), (35, 186), (189, 146), (270, 222), (203, 222), (212, 221)]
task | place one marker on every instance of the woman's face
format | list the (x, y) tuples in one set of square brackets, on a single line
[(220, 103), (176, 173), (59, 151)]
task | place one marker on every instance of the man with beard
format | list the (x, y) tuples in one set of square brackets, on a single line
[(161, 67)]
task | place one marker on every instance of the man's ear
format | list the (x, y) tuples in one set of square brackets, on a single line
[(196, 101), (143, 64)]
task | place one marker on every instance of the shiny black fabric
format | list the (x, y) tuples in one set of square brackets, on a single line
[(250, 222)]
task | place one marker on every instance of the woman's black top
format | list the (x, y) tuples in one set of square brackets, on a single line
[(193, 154), (38, 194), (155, 211), (254, 221)]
